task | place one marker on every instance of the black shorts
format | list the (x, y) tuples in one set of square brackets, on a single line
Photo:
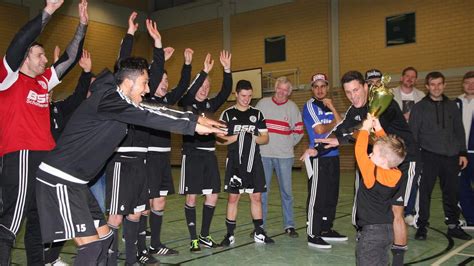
[(126, 186), (411, 170), (199, 173), (17, 186), (257, 183), (66, 210), (160, 181)]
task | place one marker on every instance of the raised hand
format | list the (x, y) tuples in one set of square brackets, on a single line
[(56, 53), (168, 52), (328, 103), (225, 59), (83, 14), (154, 33), (86, 62), (208, 63), (53, 5), (188, 56), (132, 26)]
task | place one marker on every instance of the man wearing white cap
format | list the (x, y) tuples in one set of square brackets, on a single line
[(320, 117)]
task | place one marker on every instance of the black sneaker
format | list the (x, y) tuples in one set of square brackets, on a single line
[(194, 247), (162, 250), (291, 232), (332, 235), (147, 259), (228, 240), (421, 233), (262, 238), (457, 232), (318, 242), (208, 242)]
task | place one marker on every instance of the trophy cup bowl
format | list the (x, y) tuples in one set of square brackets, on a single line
[(380, 97)]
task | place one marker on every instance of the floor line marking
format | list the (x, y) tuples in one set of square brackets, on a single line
[(453, 252)]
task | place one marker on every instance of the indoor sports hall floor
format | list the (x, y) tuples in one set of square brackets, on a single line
[(438, 249)]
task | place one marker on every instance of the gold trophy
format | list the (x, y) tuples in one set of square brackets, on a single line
[(380, 96)]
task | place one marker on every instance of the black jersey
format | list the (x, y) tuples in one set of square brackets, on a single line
[(99, 125), (162, 139), (392, 121), (207, 108), (251, 120), (61, 111)]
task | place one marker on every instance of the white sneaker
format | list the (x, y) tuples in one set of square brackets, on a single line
[(410, 220), (58, 262), (465, 226)]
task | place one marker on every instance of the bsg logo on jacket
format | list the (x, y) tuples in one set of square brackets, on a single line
[(40, 100)]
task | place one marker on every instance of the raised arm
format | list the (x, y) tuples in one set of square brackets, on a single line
[(127, 42), (197, 82), (157, 67), (221, 97), (73, 52), (18, 47), (174, 95), (70, 104), (366, 166)]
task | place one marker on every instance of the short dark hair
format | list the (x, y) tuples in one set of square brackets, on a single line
[(352, 75), (433, 75), (35, 43), (408, 69), (468, 75), (243, 85), (130, 68)]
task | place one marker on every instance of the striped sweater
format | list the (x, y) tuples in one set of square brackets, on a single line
[(285, 127)]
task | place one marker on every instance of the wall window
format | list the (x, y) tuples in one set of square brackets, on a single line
[(275, 50), (400, 29)]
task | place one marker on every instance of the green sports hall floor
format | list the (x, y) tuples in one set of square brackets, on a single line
[(438, 248)]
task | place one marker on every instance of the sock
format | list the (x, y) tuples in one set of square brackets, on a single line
[(141, 245), (130, 230), (156, 219), (88, 254), (230, 226), (398, 253), (190, 213), (113, 249), (106, 242), (207, 214), (258, 224), (52, 251)]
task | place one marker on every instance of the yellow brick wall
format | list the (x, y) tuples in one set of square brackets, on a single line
[(12, 17), (305, 25), (443, 38), (102, 41)]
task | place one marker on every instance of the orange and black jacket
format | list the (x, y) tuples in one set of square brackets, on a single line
[(376, 186)]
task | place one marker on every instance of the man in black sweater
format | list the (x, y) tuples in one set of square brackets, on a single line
[(66, 207), (436, 124)]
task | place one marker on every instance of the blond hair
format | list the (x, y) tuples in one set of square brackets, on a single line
[(284, 80), (392, 148)]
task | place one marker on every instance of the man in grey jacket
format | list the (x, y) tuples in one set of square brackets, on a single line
[(436, 124)]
